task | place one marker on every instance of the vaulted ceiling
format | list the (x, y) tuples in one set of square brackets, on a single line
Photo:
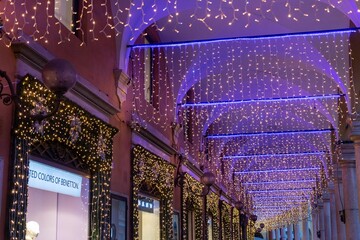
[(266, 100)]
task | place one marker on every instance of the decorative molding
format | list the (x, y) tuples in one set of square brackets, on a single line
[(59, 153), (36, 57), (147, 135), (122, 81)]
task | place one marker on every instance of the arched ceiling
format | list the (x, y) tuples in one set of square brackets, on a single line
[(277, 89)]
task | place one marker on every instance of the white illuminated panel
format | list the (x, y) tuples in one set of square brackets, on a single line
[(52, 179)]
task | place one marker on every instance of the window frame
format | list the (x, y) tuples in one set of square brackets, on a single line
[(124, 199)]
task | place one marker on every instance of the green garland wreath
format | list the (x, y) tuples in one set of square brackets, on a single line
[(192, 202), (213, 208), (58, 128), (226, 217), (158, 175)]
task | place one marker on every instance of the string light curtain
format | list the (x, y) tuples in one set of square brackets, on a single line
[(272, 96), (112, 18)]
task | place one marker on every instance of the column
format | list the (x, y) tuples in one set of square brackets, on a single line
[(204, 218), (321, 220), (327, 216), (289, 232), (305, 229), (297, 231), (333, 213), (271, 235), (283, 233), (347, 163), (314, 217), (278, 234), (339, 201)]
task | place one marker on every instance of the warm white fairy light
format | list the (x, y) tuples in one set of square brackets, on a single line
[(265, 68), (114, 15)]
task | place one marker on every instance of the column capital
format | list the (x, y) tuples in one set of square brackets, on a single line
[(331, 187), (337, 173), (326, 197), (355, 129), (347, 157)]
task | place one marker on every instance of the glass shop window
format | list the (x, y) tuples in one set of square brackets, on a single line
[(191, 225), (118, 218), (149, 218), (68, 13), (210, 228), (58, 203), (176, 226)]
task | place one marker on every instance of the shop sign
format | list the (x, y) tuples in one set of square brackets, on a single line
[(146, 204), (52, 179)]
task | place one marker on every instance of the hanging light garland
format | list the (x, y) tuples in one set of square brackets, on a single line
[(109, 18), (243, 100)]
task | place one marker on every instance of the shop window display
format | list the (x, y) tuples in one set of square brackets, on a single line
[(149, 218), (210, 228), (118, 218), (58, 204)]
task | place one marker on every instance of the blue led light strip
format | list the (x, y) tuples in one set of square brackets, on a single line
[(278, 170), (257, 100), (317, 131), (279, 182), (246, 38), (281, 197), (280, 190), (275, 155)]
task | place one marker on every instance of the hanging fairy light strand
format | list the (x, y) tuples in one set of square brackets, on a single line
[(111, 18), (265, 72)]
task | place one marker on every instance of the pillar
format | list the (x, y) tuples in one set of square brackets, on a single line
[(283, 233), (333, 213), (339, 201), (244, 223), (289, 232), (327, 215), (204, 218), (347, 163), (278, 234), (321, 227), (271, 235), (297, 231), (305, 229), (314, 217)]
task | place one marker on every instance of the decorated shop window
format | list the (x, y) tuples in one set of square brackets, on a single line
[(192, 209), (152, 176), (73, 138), (58, 202)]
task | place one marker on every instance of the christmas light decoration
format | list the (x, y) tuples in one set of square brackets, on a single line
[(269, 133), (111, 18), (303, 98), (58, 129), (253, 109), (278, 182), (275, 155), (151, 172), (279, 170)]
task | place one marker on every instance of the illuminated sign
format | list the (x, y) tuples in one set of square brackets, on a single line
[(146, 204), (52, 179)]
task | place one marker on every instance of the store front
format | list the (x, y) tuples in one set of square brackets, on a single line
[(60, 181), (58, 202), (152, 196)]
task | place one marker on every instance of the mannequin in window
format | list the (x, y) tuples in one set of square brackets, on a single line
[(32, 230)]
